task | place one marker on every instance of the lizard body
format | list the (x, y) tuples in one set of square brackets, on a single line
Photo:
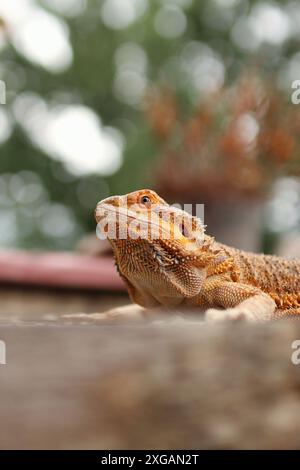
[(166, 259)]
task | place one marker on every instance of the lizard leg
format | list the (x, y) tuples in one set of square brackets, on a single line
[(241, 302), (287, 313)]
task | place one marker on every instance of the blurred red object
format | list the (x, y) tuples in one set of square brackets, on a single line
[(63, 270)]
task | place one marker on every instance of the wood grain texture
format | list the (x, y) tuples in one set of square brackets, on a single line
[(150, 386)]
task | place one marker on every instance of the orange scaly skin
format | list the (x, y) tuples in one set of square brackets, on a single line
[(196, 271)]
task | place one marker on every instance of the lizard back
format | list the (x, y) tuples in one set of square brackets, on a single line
[(278, 277)]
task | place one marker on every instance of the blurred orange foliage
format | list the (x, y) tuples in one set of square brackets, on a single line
[(235, 143)]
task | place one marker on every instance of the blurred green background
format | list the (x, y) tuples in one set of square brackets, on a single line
[(79, 75)]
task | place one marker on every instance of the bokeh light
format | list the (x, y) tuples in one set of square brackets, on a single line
[(170, 22), (38, 35), (119, 14)]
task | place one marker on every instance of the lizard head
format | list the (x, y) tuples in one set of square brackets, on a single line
[(149, 235), (145, 215)]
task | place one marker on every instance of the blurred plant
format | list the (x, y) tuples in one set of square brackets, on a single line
[(235, 143), (76, 72)]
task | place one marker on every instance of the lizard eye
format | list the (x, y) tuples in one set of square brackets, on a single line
[(145, 200)]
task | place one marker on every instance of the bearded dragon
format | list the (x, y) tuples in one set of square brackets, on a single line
[(168, 261)]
